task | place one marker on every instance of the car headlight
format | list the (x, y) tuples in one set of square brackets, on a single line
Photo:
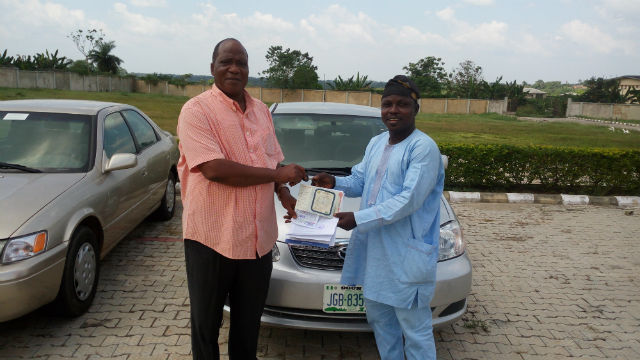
[(451, 242), (275, 253), (24, 247)]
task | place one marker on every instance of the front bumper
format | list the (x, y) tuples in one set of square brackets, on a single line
[(295, 295), (28, 284)]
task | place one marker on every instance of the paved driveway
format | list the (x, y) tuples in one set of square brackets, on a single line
[(550, 282)]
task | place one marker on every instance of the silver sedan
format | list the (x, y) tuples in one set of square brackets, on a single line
[(332, 138), (75, 178)]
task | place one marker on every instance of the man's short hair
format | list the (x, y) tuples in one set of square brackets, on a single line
[(216, 49)]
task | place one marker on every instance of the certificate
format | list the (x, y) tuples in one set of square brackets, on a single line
[(317, 200)]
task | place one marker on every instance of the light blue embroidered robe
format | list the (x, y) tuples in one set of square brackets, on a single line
[(394, 248)]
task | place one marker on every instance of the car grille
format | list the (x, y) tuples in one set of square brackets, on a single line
[(319, 258)]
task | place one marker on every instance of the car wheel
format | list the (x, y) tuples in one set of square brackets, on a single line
[(81, 271), (168, 203)]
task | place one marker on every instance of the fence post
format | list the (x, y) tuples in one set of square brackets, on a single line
[(281, 96), (54, 79), (446, 105), (260, 93), (371, 95), (324, 95), (569, 101), (468, 105), (302, 94), (346, 97), (611, 116)]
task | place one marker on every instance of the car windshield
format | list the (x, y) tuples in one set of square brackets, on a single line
[(325, 141), (44, 142)]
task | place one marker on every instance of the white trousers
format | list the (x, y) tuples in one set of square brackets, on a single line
[(390, 324)]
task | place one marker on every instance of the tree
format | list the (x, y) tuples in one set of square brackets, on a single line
[(290, 69), (51, 61), (351, 84), (6, 60), (86, 41), (81, 67), (429, 75), (466, 80), (102, 58), (602, 90)]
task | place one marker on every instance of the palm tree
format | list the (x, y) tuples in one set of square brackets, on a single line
[(103, 59), (360, 83)]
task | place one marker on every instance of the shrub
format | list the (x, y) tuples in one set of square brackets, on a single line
[(545, 168)]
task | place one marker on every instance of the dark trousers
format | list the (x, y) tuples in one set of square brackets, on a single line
[(211, 277)]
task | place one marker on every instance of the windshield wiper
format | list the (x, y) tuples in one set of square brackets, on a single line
[(4, 165), (330, 170)]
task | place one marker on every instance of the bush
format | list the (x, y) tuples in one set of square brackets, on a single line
[(542, 168), (551, 106)]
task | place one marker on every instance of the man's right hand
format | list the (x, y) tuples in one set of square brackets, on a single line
[(291, 174), (324, 180)]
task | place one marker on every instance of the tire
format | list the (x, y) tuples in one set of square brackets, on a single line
[(168, 204), (81, 273)]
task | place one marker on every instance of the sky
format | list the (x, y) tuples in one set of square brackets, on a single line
[(550, 40)]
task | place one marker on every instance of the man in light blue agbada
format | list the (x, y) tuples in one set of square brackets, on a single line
[(393, 249)]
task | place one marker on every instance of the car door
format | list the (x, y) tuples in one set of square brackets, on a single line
[(152, 156), (125, 188)]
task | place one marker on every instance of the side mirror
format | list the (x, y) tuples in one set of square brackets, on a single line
[(445, 160), (121, 161)]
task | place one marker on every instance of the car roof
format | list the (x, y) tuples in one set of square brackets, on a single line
[(85, 107), (324, 108)]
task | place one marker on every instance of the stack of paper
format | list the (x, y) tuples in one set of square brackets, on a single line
[(315, 224)]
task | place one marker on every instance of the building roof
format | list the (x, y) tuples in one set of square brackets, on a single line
[(533, 91), (637, 77)]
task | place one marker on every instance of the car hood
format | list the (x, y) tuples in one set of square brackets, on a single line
[(23, 195), (348, 204)]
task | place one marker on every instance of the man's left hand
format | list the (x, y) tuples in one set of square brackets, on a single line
[(346, 220), (288, 202)]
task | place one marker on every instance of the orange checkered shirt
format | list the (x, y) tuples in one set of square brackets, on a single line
[(235, 221)]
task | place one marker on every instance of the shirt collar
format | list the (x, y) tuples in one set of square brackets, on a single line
[(232, 104)]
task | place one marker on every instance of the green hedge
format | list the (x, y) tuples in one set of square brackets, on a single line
[(542, 168)]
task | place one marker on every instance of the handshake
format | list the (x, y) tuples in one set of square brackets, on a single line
[(293, 173)]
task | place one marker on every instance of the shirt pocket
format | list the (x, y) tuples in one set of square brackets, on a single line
[(418, 263), (269, 143)]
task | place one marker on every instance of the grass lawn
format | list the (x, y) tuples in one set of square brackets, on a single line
[(457, 129), (499, 129), (163, 109)]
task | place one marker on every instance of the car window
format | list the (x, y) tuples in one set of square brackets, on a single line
[(321, 140), (50, 142), (117, 137), (142, 130)]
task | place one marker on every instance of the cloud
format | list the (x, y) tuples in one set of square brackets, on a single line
[(592, 37), (492, 33), (480, 2), (39, 13), (138, 23), (530, 44), (148, 3), (446, 14)]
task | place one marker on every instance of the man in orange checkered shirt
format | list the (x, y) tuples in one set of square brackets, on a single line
[(228, 168)]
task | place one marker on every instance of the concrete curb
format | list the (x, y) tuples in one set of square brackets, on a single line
[(552, 199), (526, 198)]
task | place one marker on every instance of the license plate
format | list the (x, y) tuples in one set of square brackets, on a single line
[(343, 299)]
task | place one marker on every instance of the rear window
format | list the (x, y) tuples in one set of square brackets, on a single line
[(320, 140)]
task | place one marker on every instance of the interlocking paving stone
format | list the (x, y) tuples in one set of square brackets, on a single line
[(550, 281)]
